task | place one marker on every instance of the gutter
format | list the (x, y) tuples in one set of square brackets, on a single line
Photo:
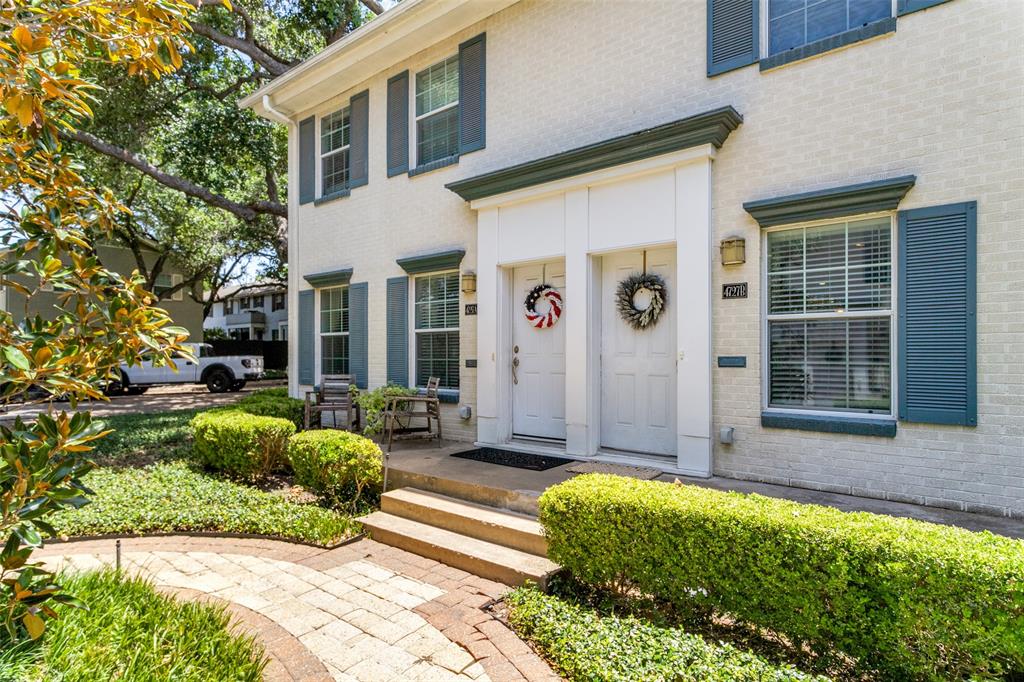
[(280, 117)]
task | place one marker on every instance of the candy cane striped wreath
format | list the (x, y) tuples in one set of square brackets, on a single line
[(554, 299)]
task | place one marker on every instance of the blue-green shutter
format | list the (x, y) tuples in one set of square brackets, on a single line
[(909, 6), (358, 337), (398, 330), (359, 139), (307, 339), (398, 124), (732, 34), (937, 314), (307, 160), (472, 94)]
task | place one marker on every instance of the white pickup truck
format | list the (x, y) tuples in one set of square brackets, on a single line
[(220, 373)]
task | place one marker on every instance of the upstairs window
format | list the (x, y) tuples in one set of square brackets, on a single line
[(437, 329), (276, 302), (793, 23), (335, 139), (437, 111), (257, 301)]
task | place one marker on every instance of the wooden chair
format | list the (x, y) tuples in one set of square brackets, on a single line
[(407, 408), (334, 396)]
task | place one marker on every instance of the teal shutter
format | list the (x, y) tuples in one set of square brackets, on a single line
[(359, 139), (398, 124), (398, 330), (937, 314), (307, 339), (733, 30), (908, 6), (358, 338), (472, 94), (307, 160)]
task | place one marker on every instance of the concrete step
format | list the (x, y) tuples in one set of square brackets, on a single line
[(482, 558), (501, 527), (521, 501)]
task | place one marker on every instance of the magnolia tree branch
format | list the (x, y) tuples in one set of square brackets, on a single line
[(247, 46)]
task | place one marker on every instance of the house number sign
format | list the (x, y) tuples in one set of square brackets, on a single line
[(735, 290), (471, 308)]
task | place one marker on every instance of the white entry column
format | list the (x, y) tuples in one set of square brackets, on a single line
[(693, 317), (582, 359)]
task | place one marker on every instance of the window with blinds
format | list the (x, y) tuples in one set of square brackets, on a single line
[(437, 111), (437, 329), (830, 317), (335, 140), (334, 330)]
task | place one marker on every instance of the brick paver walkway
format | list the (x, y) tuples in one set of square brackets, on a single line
[(364, 611)]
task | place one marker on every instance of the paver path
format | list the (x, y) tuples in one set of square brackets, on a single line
[(360, 612)]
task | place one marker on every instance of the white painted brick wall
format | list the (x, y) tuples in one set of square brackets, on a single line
[(942, 98)]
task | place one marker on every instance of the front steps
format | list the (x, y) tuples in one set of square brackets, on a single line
[(492, 543)]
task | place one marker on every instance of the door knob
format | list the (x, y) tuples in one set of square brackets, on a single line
[(515, 365)]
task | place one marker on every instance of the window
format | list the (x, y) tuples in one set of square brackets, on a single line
[(335, 137), (243, 303), (162, 284), (334, 330), (257, 301), (228, 307), (276, 302), (437, 329), (829, 315), (437, 111), (284, 331), (792, 23), (273, 335)]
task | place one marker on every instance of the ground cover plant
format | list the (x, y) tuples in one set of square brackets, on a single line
[(140, 439), (131, 632)]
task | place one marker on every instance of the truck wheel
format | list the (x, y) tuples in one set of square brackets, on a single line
[(137, 390), (237, 386), (218, 381), (116, 387)]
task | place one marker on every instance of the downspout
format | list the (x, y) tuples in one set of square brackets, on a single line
[(278, 116)]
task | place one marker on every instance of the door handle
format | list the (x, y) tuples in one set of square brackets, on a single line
[(515, 364)]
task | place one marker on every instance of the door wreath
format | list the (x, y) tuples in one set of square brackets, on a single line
[(554, 299), (626, 299)]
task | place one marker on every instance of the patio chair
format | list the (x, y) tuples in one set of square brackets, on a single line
[(332, 395), (407, 408)]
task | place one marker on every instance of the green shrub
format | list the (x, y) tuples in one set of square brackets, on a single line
[(373, 403), (908, 599), (336, 465), (240, 444), (583, 645), (274, 402)]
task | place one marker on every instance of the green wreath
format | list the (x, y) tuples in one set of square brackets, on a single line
[(626, 295)]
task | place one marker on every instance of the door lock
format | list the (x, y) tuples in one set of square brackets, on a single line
[(515, 365)]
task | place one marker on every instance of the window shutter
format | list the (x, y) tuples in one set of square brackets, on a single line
[(359, 136), (938, 314), (307, 160), (733, 30), (398, 330), (472, 94), (398, 124), (307, 321), (909, 6), (358, 339), (178, 295)]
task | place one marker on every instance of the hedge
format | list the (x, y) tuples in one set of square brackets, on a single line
[(274, 402), (336, 465), (241, 444), (906, 599)]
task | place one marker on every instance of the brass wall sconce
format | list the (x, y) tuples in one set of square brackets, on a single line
[(469, 282), (734, 251)]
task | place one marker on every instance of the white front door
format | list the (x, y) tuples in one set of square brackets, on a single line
[(638, 367), (538, 357)]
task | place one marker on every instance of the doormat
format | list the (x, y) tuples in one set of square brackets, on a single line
[(643, 473), (518, 460)]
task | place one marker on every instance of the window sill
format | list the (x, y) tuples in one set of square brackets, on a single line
[(859, 426), (445, 395), (434, 165), (333, 196), (835, 42)]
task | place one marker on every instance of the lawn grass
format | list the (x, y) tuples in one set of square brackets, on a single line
[(131, 632), (171, 496), (584, 643)]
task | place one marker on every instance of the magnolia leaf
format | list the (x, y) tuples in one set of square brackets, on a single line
[(17, 358), (34, 624)]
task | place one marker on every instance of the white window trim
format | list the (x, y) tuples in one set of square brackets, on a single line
[(414, 120), (321, 154), (763, 32), (321, 334), (413, 360), (893, 321)]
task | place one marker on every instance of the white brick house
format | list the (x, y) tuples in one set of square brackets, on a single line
[(869, 159)]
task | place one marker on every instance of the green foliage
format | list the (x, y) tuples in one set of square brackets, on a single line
[(132, 632), (373, 403), (172, 497), (587, 646), (144, 438), (274, 402), (907, 599), (337, 465), (240, 444)]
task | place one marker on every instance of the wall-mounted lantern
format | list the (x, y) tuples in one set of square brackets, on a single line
[(734, 251), (469, 282)]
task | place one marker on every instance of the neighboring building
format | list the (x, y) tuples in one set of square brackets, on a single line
[(449, 156), (251, 313), (185, 311)]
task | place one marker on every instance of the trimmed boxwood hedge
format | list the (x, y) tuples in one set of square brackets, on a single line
[(336, 465), (274, 402), (239, 443), (906, 599)]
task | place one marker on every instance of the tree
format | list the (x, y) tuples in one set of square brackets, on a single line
[(50, 214), (206, 180)]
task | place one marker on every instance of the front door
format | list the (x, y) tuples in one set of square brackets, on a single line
[(538, 357), (638, 367)]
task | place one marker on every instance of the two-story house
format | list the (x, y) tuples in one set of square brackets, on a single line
[(775, 240), (247, 312)]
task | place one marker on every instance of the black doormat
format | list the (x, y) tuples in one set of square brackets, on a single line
[(518, 460)]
